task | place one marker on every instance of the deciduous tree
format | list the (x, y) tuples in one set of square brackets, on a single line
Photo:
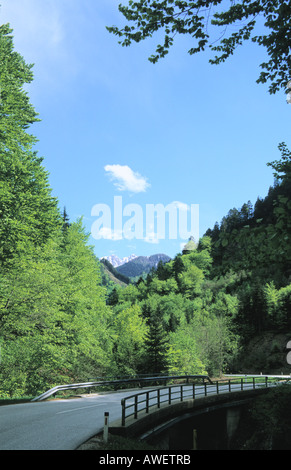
[(215, 24)]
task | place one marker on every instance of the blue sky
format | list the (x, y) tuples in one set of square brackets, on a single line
[(113, 124)]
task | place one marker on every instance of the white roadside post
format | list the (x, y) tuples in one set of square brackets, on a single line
[(106, 425)]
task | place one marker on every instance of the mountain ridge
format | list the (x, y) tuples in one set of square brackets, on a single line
[(116, 261), (142, 265), (110, 273)]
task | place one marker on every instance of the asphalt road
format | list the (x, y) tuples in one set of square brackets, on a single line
[(56, 424), (65, 424)]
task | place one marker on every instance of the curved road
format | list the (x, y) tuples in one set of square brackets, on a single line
[(56, 424), (64, 424)]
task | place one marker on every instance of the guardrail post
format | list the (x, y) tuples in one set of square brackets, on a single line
[(181, 389), (170, 398), (254, 382), (242, 384), (205, 388), (123, 412), (217, 388), (135, 406), (147, 401), (266, 378), (229, 386), (159, 398), (193, 390), (106, 425)]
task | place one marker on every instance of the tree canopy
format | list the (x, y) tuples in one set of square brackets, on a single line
[(217, 25), (27, 208)]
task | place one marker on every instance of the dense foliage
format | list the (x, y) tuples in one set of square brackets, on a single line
[(254, 243), (188, 319), (206, 303)]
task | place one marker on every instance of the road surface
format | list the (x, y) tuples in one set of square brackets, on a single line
[(65, 424), (56, 424)]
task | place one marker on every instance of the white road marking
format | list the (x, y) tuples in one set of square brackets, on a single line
[(77, 409)]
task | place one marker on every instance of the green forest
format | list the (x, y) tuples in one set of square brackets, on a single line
[(62, 320)]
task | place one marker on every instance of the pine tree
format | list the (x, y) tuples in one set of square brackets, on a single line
[(157, 346), (66, 220)]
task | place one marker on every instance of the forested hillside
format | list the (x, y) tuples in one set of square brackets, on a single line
[(254, 243), (141, 265), (113, 274), (204, 307), (60, 322)]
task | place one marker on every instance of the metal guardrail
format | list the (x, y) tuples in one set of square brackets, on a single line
[(142, 402), (141, 380)]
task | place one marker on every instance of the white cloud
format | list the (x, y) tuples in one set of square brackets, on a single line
[(125, 179), (108, 234)]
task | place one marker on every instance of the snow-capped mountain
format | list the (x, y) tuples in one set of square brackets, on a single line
[(142, 264), (116, 261)]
